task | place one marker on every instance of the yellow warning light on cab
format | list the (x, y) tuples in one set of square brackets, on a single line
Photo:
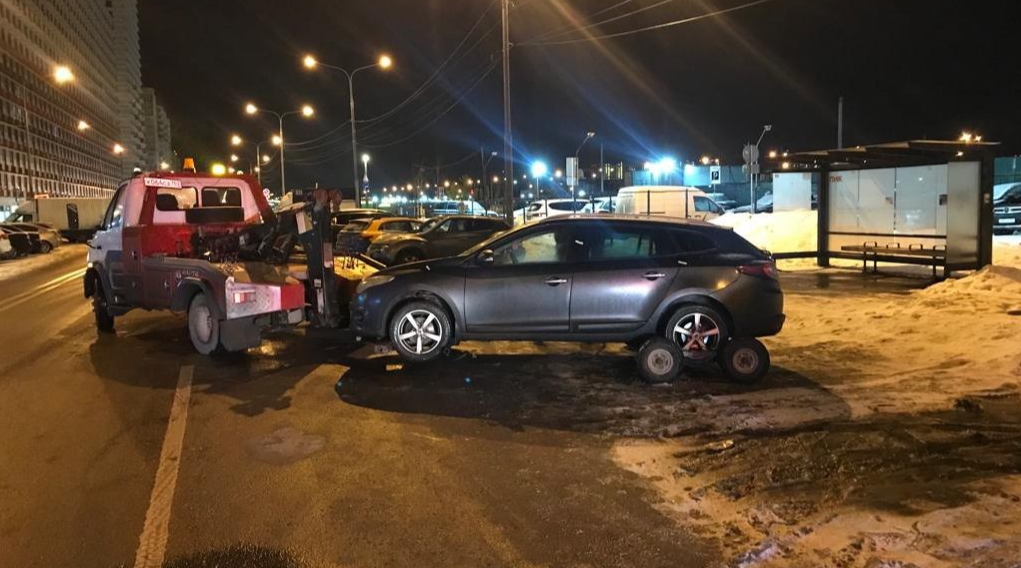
[(189, 165)]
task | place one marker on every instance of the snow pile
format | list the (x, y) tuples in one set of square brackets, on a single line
[(10, 269), (994, 282), (784, 231), (1007, 251)]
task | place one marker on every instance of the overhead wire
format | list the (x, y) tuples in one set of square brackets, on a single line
[(663, 25)]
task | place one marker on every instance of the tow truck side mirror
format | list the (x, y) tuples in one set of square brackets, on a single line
[(486, 258)]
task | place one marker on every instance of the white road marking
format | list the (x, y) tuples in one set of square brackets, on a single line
[(152, 544), (26, 296)]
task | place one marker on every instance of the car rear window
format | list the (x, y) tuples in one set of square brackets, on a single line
[(729, 242), (356, 226), (568, 205)]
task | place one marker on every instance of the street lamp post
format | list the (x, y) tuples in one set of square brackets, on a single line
[(577, 167), (753, 163), (384, 62), (485, 164), (306, 111)]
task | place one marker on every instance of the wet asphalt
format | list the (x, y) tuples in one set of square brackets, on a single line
[(305, 453)]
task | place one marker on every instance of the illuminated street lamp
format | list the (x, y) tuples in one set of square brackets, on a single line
[(234, 158), (365, 166), (83, 126), (236, 140), (62, 74), (278, 139), (218, 169), (384, 62)]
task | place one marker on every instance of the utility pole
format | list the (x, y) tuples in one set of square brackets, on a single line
[(508, 137), (602, 171), (840, 123)]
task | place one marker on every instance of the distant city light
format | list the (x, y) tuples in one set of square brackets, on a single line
[(164, 166), (235, 140), (706, 160), (234, 157), (661, 167), (307, 111), (310, 62), (251, 108), (539, 169), (277, 140), (386, 62), (118, 149)]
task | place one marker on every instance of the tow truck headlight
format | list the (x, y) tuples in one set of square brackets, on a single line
[(375, 280)]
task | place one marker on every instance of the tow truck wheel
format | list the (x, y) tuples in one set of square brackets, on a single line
[(420, 331), (203, 326), (660, 360), (744, 360), (101, 308)]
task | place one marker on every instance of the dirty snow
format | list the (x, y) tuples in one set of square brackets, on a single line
[(10, 269), (888, 434)]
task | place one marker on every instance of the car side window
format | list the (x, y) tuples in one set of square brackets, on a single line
[(703, 204), (396, 227), (543, 247), (115, 212), (452, 226), (689, 242), (613, 243)]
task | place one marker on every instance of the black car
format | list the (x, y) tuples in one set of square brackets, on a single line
[(591, 278), (446, 236), (1007, 209)]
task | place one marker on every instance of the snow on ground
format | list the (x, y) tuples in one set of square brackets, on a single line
[(10, 269), (888, 433)]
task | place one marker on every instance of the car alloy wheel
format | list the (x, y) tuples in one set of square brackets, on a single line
[(698, 335), (419, 332)]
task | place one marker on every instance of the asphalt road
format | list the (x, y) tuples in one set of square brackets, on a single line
[(305, 453)]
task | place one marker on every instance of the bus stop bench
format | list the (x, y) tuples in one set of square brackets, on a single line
[(914, 254)]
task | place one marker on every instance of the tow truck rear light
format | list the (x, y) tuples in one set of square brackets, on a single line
[(763, 269), (244, 296)]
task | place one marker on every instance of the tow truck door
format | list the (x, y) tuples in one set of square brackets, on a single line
[(107, 249)]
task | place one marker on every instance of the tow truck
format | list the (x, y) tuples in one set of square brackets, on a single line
[(212, 248)]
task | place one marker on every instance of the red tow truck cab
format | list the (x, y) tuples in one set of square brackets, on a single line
[(153, 252)]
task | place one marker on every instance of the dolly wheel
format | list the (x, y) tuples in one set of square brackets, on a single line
[(660, 360), (744, 360)]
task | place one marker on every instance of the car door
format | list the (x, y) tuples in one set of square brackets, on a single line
[(626, 271), (526, 288), (449, 238), (107, 248)]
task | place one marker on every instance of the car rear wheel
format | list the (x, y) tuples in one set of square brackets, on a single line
[(45, 247), (204, 326), (409, 256), (420, 331), (700, 332), (745, 360), (101, 309)]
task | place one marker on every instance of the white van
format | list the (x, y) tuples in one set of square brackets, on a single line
[(667, 201)]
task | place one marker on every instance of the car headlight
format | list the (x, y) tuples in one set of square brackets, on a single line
[(375, 280)]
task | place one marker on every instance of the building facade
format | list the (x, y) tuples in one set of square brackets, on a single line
[(157, 151), (58, 133)]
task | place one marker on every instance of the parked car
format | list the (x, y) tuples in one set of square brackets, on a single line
[(340, 219), (358, 234), (763, 204), (604, 205), (1007, 208), (446, 236), (49, 238), (548, 208), (587, 278), (24, 242), (6, 249), (722, 200), (21, 242), (668, 200)]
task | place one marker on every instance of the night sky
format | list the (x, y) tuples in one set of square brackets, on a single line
[(907, 69)]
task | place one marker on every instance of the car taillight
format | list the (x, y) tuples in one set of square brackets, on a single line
[(759, 269), (244, 297)]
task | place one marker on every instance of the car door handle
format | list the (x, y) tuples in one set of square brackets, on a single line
[(555, 281), (653, 275)]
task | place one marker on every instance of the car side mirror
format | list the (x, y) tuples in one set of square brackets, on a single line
[(486, 258)]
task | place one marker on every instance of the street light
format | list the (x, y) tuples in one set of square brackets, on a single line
[(365, 166), (384, 62), (62, 74), (218, 169), (278, 139), (234, 158), (83, 126), (236, 140), (577, 153), (118, 150)]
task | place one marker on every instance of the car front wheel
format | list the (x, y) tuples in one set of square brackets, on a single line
[(700, 332), (420, 331)]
